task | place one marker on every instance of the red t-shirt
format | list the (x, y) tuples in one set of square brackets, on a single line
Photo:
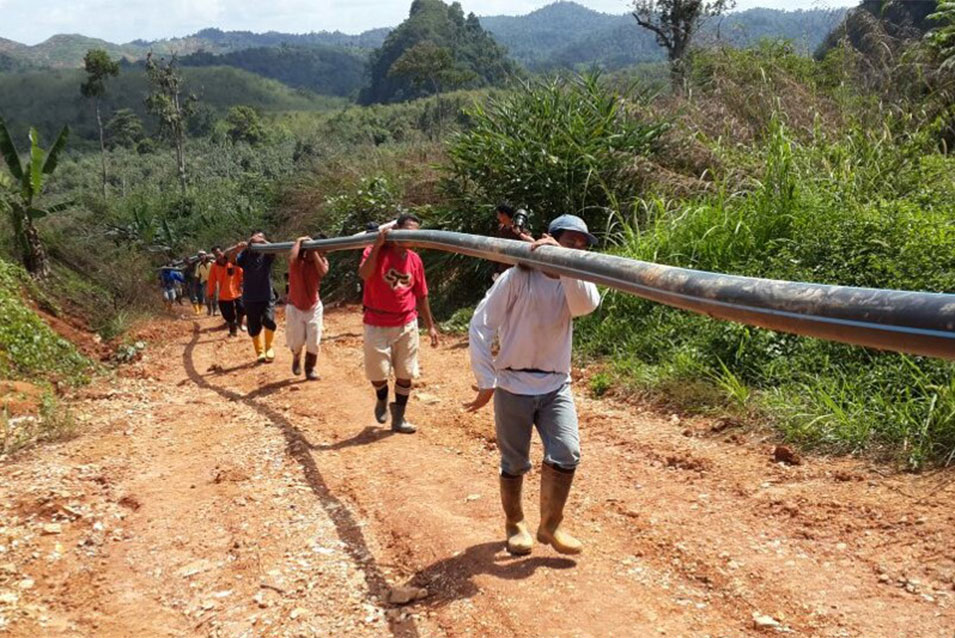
[(391, 293), (303, 283)]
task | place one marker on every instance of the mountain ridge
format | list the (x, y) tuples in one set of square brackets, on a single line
[(555, 30)]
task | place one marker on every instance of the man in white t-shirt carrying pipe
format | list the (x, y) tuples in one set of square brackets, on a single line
[(532, 312)]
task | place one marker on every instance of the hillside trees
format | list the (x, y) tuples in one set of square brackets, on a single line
[(22, 206), (245, 125), (124, 129), (99, 68), (435, 49), (674, 22), (169, 103), (325, 70)]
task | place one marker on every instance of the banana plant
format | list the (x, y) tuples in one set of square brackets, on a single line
[(29, 180)]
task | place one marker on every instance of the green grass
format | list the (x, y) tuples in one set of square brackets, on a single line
[(805, 218), (29, 349)]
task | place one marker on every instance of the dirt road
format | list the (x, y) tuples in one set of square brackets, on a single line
[(207, 496)]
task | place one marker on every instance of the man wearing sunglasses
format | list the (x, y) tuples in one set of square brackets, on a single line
[(531, 312)]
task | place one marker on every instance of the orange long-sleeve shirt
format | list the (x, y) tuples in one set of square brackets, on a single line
[(230, 286)]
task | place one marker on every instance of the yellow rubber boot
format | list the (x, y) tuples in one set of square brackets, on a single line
[(269, 352), (257, 344), (555, 487), (519, 541)]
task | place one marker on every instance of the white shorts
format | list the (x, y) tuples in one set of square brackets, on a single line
[(391, 348), (303, 328)]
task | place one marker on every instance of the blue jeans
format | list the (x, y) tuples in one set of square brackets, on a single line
[(555, 417)]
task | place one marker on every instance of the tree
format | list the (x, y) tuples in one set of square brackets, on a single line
[(31, 178), (674, 22), (942, 38), (244, 125), (171, 106), (431, 68), (434, 32), (99, 68), (124, 129)]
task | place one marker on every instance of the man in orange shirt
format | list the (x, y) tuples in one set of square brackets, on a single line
[(303, 314), (226, 276)]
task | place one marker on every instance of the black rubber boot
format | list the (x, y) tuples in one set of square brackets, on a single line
[(297, 363), (381, 409), (398, 423), (310, 361)]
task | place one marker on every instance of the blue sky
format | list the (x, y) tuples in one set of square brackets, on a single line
[(125, 20)]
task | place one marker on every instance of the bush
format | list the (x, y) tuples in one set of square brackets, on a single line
[(29, 349), (554, 146)]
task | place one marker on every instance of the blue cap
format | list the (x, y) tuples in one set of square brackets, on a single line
[(570, 222)]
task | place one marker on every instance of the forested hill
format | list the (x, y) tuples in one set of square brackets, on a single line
[(566, 34), (563, 34), (326, 70)]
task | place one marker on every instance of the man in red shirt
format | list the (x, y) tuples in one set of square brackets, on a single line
[(395, 288), (303, 314)]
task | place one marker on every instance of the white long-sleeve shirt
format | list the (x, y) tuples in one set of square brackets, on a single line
[(532, 314)]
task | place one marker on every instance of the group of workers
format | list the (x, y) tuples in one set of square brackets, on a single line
[(526, 316), (211, 280)]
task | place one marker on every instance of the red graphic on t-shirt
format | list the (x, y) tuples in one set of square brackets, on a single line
[(397, 279)]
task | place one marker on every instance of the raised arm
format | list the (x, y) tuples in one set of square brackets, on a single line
[(320, 261), (367, 268), (296, 251), (232, 251)]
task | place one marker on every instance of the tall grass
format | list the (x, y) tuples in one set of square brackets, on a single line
[(823, 210)]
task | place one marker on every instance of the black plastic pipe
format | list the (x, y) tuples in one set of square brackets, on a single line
[(919, 323)]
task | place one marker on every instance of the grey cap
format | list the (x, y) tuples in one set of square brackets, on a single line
[(570, 222)]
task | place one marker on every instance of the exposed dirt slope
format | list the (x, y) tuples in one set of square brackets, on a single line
[(211, 497)]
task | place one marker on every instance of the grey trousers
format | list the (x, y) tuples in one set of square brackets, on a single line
[(554, 415)]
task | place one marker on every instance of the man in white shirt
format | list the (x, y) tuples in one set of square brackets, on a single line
[(532, 312)]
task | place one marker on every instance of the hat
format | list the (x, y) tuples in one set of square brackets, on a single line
[(201, 253), (570, 222)]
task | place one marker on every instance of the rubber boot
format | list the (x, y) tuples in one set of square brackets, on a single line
[(269, 352), (297, 363), (233, 330), (310, 361), (398, 423), (381, 408), (555, 486), (257, 343), (519, 541)]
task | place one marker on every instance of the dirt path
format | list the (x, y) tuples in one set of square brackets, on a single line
[(210, 497)]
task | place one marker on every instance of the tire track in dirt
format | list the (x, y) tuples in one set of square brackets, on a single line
[(298, 448)]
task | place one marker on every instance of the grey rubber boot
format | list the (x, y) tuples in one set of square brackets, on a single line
[(398, 423), (519, 541), (555, 487)]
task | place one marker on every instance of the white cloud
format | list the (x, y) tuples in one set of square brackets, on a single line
[(125, 20)]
